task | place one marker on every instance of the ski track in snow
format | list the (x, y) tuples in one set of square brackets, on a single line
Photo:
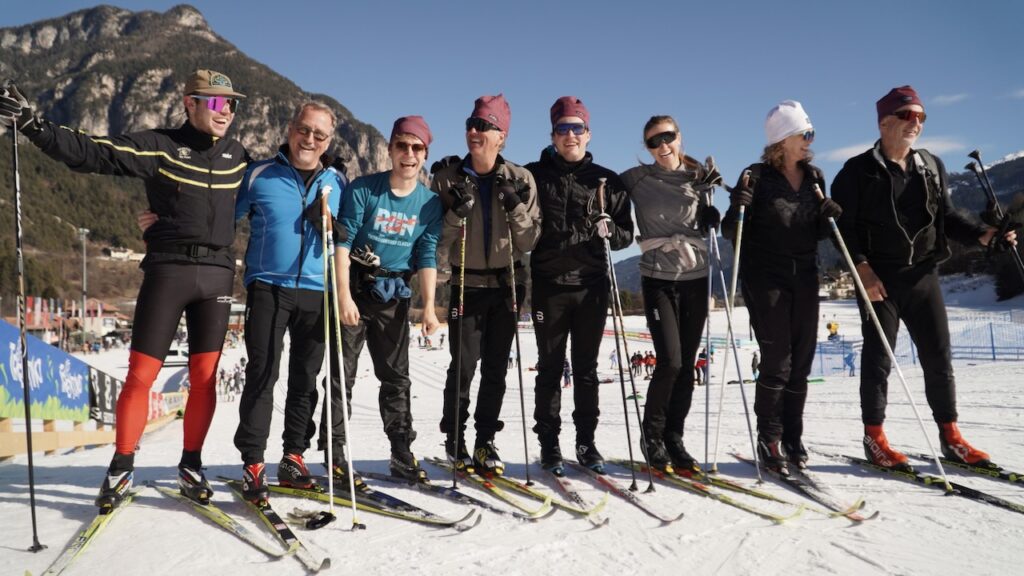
[(919, 531)]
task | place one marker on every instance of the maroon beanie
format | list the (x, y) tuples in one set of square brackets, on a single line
[(413, 125), (896, 99), (493, 109), (569, 106)]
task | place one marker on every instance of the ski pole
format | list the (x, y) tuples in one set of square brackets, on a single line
[(22, 339), (1004, 219), (347, 452), (732, 300), (457, 417), (519, 354), (618, 329), (736, 357), (870, 309)]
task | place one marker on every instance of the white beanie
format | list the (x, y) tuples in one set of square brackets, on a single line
[(786, 119)]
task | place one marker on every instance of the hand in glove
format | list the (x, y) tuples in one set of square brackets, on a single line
[(510, 193), (365, 257), (312, 215), (15, 109), (830, 208), (462, 204), (709, 217), (712, 177), (443, 163), (742, 194), (601, 224)]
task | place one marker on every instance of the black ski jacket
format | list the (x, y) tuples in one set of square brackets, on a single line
[(569, 251), (190, 178), (871, 222)]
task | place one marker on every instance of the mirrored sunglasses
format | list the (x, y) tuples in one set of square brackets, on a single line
[(908, 115), (574, 127), (659, 139), (219, 103), (808, 135), (480, 125)]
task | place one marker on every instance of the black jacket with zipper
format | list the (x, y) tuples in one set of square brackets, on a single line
[(871, 221), (569, 251), (190, 179)]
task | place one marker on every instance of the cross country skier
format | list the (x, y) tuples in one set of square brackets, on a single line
[(188, 265), (897, 215), (496, 201), (569, 269)]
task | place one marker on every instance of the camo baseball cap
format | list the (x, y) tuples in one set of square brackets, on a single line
[(210, 83)]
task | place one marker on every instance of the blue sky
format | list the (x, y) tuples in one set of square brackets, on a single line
[(718, 67)]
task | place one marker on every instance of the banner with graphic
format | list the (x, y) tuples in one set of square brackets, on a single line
[(58, 382)]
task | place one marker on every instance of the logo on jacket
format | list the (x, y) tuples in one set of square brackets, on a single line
[(185, 153), (226, 155), (390, 222)]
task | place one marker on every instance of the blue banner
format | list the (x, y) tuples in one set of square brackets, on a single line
[(58, 382)]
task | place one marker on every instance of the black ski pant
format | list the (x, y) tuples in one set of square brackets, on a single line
[(558, 312), (483, 334), (270, 311), (384, 329), (783, 307), (915, 298), (675, 310)]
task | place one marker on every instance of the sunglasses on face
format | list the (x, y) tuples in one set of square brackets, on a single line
[(480, 125), (409, 147), (575, 128), (219, 103), (305, 131), (808, 135), (909, 115), (659, 139)]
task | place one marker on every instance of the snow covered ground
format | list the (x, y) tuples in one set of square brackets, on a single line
[(919, 531)]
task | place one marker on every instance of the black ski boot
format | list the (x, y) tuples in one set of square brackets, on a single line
[(551, 456), (486, 459), (796, 454), (458, 457), (656, 454), (191, 480), (587, 455), (292, 472), (340, 472), (116, 483), (683, 463), (403, 464), (254, 483), (772, 455)]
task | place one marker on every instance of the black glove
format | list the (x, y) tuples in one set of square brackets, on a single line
[(443, 163), (712, 177), (510, 193), (600, 224), (312, 215), (831, 209), (709, 217), (742, 194), (462, 204), (15, 109), (365, 257)]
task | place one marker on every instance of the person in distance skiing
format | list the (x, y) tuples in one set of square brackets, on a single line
[(897, 218), (284, 264), (188, 265), (673, 214), (496, 200), (784, 220), (569, 269), (394, 223)]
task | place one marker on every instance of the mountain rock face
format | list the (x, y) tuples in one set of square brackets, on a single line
[(108, 71)]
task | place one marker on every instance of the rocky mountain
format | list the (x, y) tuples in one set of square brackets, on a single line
[(106, 70)]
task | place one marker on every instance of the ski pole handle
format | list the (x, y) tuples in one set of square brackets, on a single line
[(600, 193), (327, 223)]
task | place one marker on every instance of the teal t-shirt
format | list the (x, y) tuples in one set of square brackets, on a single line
[(403, 231)]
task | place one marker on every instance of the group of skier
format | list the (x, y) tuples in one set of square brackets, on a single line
[(480, 218)]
